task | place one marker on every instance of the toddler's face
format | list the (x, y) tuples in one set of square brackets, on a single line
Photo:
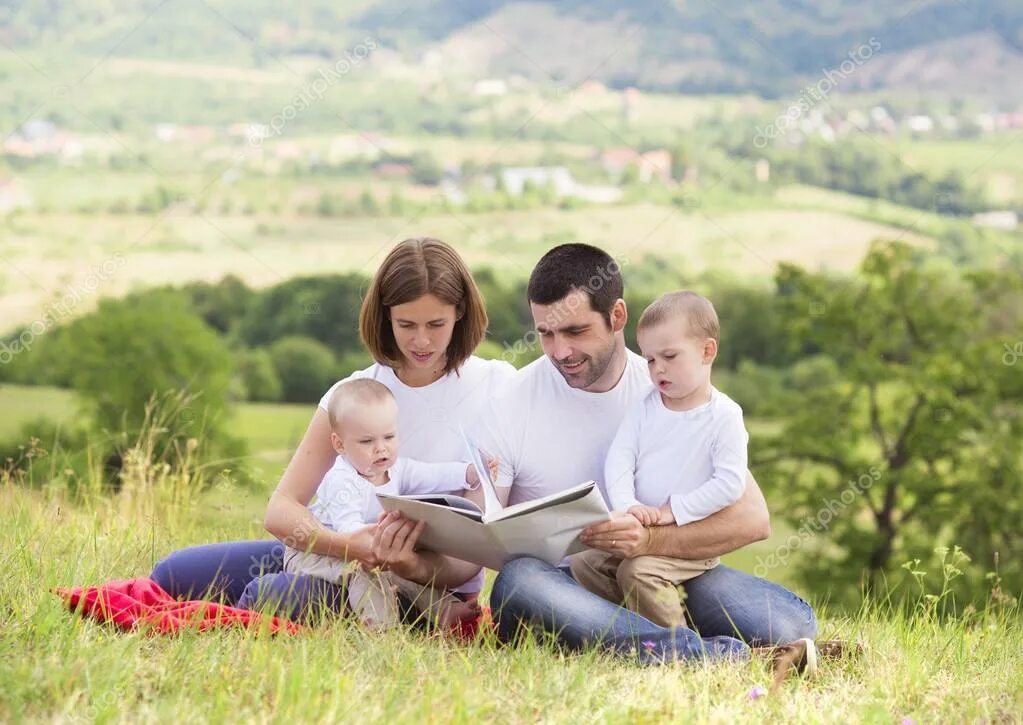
[(368, 437), (679, 364)]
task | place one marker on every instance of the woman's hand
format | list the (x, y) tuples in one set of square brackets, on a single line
[(624, 536), (361, 547), (394, 545)]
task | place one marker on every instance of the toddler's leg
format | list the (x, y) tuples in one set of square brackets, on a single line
[(596, 571), (650, 586), (373, 598), (321, 567)]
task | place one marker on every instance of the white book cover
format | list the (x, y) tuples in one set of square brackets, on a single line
[(547, 528)]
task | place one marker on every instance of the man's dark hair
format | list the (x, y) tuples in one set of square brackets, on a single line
[(577, 266)]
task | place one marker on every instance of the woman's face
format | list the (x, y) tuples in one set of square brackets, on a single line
[(423, 328)]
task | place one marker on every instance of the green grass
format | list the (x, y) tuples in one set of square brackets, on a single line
[(57, 667), (22, 403), (54, 666), (745, 242), (994, 162)]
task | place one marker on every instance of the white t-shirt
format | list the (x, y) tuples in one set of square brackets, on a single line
[(429, 417), (345, 501), (693, 459), (548, 436)]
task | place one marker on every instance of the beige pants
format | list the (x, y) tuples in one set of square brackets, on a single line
[(648, 585), (373, 596)]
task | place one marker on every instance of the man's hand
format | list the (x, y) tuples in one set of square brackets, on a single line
[(652, 515), (624, 536), (394, 545)]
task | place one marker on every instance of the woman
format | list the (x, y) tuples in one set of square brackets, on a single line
[(421, 319)]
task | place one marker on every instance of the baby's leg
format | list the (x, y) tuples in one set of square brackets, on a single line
[(321, 567), (650, 586), (374, 599), (441, 608), (596, 571)]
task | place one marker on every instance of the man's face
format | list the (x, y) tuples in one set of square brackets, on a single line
[(578, 340)]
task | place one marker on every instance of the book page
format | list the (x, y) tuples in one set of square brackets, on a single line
[(493, 503)]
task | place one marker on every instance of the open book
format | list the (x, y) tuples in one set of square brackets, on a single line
[(547, 528)]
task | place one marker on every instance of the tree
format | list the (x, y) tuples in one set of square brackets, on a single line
[(306, 368), (909, 436), (426, 169), (258, 377), (324, 308), (148, 361)]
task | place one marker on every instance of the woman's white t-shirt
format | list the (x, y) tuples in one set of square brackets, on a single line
[(430, 417)]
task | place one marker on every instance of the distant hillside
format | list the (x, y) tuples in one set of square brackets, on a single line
[(771, 47)]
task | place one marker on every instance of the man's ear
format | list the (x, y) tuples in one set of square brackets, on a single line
[(710, 350), (619, 315)]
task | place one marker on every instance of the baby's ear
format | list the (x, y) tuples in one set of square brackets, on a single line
[(710, 350), (335, 440)]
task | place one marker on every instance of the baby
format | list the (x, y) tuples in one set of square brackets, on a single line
[(678, 457), (364, 424)]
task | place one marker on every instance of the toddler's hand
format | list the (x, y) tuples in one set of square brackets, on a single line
[(647, 515)]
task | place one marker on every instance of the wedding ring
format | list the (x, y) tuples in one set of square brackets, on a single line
[(614, 541)]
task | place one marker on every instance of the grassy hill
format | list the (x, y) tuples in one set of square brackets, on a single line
[(771, 47)]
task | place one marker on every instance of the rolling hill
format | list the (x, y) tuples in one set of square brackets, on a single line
[(770, 47)]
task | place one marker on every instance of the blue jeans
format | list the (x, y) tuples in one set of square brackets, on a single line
[(247, 574), (729, 611)]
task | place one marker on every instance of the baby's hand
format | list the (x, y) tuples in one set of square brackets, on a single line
[(472, 478), (647, 515)]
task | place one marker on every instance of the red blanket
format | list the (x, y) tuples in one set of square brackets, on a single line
[(142, 603)]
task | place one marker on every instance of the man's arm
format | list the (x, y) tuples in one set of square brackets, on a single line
[(745, 521)]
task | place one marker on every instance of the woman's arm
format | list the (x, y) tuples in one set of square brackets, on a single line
[(287, 516), (745, 521)]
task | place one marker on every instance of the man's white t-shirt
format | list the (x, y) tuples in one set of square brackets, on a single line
[(695, 460), (548, 436), (430, 417)]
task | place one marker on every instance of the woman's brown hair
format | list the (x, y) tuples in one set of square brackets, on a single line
[(417, 267)]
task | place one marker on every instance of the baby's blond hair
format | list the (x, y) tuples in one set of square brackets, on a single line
[(700, 317), (354, 393)]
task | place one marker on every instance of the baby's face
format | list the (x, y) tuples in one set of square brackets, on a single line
[(368, 437), (678, 363)]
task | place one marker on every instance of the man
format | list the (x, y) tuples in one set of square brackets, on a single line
[(550, 428)]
